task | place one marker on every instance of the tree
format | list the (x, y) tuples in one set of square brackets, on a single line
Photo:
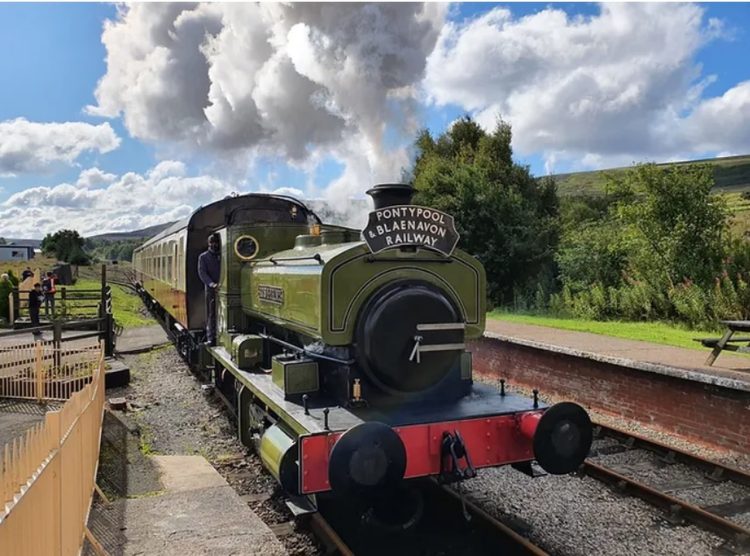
[(674, 229), (66, 245), (508, 219)]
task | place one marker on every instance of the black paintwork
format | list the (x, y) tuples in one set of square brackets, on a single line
[(482, 401)]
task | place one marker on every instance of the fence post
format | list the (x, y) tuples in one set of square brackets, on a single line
[(57, 344), (38, 369), (11, 310), (105, 314), (16, 304), (53, 421), (103, 303)]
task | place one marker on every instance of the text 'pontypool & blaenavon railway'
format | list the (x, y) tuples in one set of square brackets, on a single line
[(410, 225)]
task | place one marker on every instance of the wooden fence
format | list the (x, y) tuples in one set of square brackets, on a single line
[(48, 476), (46, 370), (70, 303)]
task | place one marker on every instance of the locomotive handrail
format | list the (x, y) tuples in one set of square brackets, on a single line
[(374, 259), (315, 257), (306, 352)]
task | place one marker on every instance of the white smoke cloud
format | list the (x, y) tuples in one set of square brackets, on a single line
[(293, 80), (620, 86), (34, 147)]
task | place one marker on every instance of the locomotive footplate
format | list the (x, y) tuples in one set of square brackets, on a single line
[(300, 420)]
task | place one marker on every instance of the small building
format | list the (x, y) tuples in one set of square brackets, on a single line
[(16, 252)]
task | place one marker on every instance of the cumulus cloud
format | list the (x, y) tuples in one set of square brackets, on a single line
[(294, 80), (615, 87), (110, 203), (33, 146), (93, 177)]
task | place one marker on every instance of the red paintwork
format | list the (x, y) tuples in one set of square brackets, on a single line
[(491, 442), (528, 424)]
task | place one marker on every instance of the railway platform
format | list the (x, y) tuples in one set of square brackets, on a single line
[(730, 371), (668, 388), (141, 338), (195, 513)]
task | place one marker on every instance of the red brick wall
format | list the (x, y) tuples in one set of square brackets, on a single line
[(714, 415)]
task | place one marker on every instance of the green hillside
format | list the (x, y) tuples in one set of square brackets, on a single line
[(732, 174)]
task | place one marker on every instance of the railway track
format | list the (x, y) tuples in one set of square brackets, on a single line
[(450, 524), (713, 496)]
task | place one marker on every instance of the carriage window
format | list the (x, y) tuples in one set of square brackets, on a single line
[(180, 264), (246, 247)]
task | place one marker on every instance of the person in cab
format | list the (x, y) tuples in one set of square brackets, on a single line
[(209, 268)]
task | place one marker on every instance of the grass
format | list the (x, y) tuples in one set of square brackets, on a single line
[(739, 210), (125, 305), (654, 332), (40, 262), (732, 174)]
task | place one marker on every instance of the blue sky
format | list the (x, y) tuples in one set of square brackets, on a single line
[(52, 56)]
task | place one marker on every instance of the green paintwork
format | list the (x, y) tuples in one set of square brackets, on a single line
[(249, 393), (247, 350), (295, 376), (274, 444), (353, 273), (271, 239)]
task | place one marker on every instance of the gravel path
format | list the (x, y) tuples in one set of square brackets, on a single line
[(581, 516), (175, 415)]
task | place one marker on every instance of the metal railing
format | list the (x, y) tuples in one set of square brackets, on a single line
[(48, 476)]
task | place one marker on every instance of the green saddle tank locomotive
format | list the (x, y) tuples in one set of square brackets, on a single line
[(342, 352)]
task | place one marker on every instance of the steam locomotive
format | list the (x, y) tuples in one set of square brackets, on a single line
[(342, 352)]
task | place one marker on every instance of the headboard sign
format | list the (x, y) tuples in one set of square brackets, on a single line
[(410, 225)]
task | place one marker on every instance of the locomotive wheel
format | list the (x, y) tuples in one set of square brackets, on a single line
[(398, 512)]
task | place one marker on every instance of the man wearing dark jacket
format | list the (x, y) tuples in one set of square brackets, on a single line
[(36, 296), (49, 289), (209, 268)]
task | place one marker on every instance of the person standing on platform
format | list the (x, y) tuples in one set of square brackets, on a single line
[(36, 296), (48, 287), (28, 273), (209, 271)]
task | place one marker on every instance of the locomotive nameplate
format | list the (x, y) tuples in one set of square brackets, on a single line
[(271, 294), (411, 225)]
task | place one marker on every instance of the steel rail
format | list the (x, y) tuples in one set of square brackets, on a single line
[(521, 541), (677, 508), (715, 469), (330, 538)]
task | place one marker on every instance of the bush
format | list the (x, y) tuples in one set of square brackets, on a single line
[(659, 248)]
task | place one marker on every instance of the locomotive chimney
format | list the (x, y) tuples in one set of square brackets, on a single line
[(391, 194)]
